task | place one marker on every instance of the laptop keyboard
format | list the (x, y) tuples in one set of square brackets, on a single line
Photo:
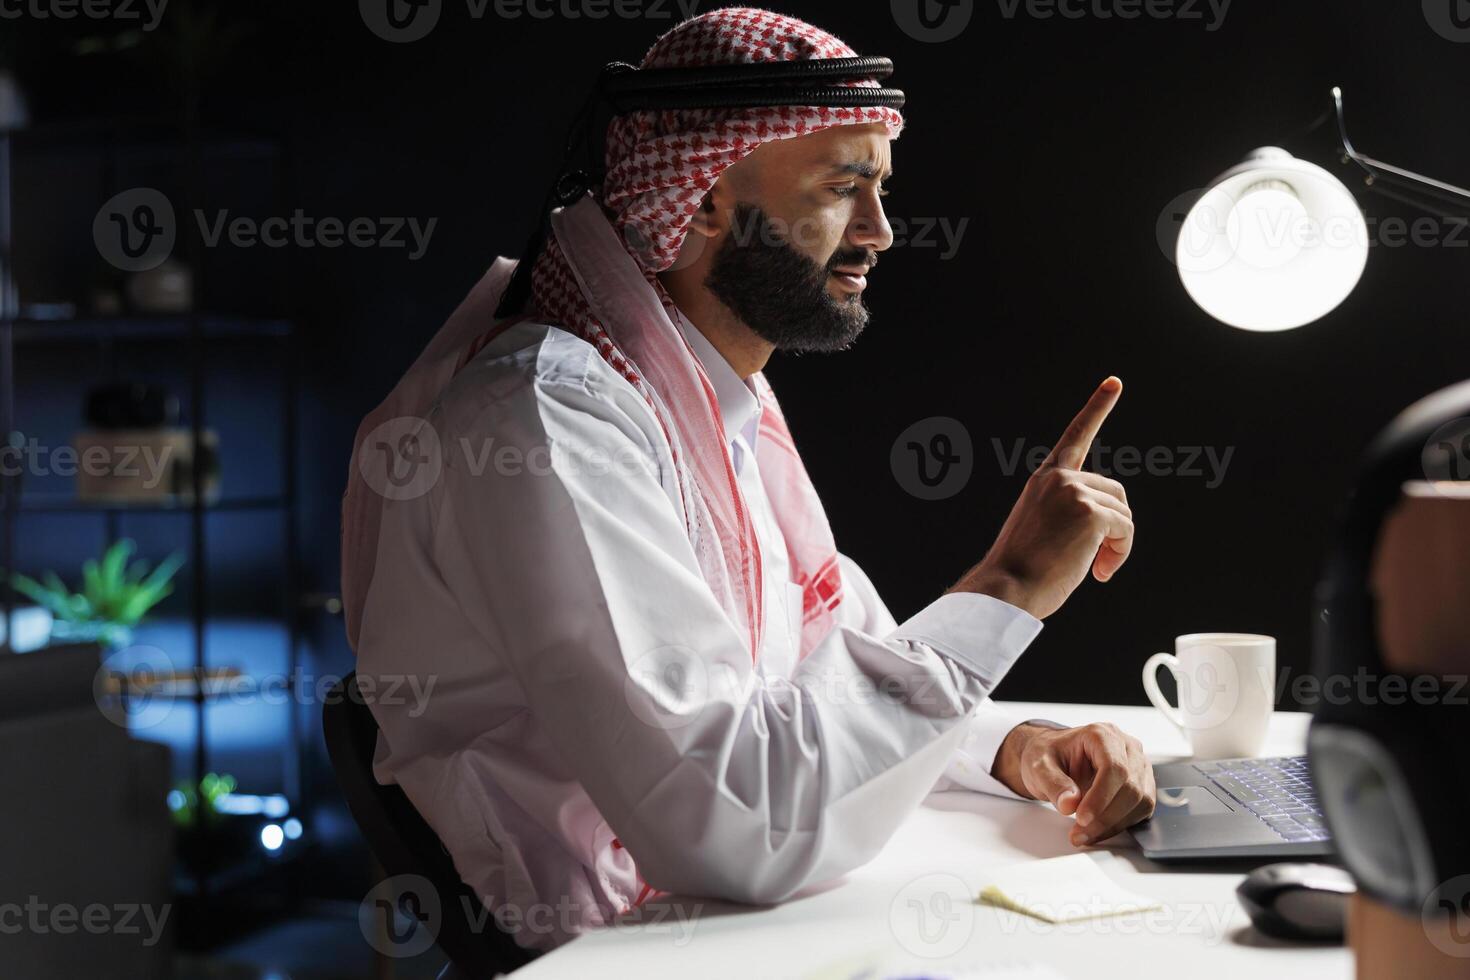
[(1278, 791)]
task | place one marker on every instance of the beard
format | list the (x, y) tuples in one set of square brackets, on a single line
[(781, 293)]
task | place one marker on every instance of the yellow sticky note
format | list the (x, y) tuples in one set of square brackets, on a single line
[(1064, 889)]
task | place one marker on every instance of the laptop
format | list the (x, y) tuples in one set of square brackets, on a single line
[(1234, 808)]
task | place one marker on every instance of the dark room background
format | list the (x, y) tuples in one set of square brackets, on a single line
[(1034, 181)]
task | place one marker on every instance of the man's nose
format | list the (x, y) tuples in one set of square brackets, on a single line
[(870, 228)]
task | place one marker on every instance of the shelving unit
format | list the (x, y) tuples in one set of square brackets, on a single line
[(192, 340), (15, 504)]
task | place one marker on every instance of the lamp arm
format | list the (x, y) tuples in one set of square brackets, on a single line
[(1377, 170)]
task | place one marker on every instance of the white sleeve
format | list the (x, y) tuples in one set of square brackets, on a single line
[(720, 782), (969, 766)]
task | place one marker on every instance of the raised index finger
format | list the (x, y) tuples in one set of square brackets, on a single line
[(1076, 442)]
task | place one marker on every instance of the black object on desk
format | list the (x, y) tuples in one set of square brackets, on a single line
[(1298, 901)]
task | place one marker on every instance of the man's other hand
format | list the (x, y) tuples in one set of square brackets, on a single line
[(1097, 773)]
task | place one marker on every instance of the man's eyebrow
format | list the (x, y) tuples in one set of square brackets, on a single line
[(861, 168)]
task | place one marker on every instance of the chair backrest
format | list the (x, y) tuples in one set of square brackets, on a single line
[(405, 844)]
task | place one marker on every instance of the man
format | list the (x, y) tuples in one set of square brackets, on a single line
[(645, 665)]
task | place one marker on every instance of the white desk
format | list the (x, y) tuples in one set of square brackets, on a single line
[(914, 902)]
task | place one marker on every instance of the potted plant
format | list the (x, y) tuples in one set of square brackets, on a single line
[(115, 596)]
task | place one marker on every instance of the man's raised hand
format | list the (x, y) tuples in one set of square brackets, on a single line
[(1066, 522)]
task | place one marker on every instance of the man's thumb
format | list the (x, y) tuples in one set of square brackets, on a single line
[(1056, 786)]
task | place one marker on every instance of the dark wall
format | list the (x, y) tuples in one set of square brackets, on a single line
[(1058, 142)]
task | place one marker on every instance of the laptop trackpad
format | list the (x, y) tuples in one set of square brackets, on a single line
[(1189, 801)]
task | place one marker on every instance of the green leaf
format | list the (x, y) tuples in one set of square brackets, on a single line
[(143, 596), (115, 558), (30, 588), (91, 580), (137, 604), (79, 610), (40, 594), (165, 570)]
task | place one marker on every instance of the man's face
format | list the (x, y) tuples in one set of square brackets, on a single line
[(800, 223)]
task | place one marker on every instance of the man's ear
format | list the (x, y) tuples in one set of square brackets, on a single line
[(713, 216)]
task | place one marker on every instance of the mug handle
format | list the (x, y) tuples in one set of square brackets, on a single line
[(1151, 687)]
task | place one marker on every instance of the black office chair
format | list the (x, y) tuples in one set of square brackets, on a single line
[(405, 845)]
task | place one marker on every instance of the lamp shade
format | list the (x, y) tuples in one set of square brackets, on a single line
[(1272, 244)]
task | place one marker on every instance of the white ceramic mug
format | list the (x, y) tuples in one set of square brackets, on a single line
[(1226, 691)]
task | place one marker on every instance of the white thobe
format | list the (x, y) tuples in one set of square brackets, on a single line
[(561, 695)]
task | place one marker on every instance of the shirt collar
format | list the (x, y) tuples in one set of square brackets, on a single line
[(740, 408)]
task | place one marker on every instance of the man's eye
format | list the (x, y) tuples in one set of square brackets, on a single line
[(847, 190)]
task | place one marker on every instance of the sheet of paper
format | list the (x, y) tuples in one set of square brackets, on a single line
[(1063, 889)]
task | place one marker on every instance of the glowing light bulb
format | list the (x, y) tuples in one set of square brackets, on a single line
[(272, 837), (1268, 226)]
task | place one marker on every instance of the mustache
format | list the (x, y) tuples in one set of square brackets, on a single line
[(853, 256)]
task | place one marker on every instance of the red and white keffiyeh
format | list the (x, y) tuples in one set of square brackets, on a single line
[(597, 278)]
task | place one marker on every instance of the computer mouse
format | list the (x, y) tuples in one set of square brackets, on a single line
[(1298, 901)]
